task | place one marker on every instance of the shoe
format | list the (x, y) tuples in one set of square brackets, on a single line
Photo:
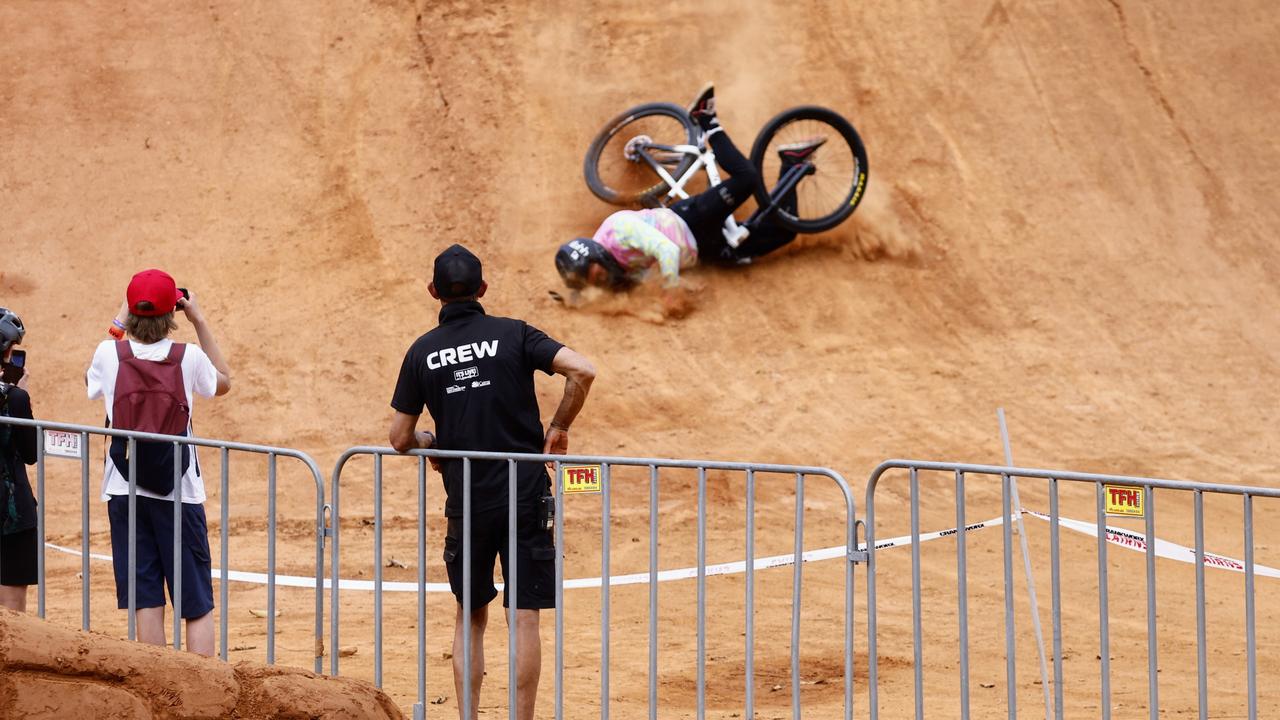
[(795, 152), (703, 108)]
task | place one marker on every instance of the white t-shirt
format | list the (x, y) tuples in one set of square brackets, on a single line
[(198, 376)]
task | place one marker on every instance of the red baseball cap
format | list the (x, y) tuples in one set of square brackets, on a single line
[(155, 287)]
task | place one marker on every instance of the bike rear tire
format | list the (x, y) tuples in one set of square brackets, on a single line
[(829, 196), (616, 180)]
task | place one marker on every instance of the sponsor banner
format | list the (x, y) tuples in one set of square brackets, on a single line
[(1124, 501), (1163, 548), (580, 478), (59, 443)]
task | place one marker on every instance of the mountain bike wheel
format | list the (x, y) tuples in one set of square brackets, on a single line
[(827, 197), (615, 178)]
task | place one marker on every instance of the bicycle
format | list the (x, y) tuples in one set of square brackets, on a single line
[(647, 156)]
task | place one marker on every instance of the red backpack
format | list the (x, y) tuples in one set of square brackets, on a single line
[(150, 396)]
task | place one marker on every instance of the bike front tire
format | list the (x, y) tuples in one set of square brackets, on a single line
[(830, 195), (619, 181)]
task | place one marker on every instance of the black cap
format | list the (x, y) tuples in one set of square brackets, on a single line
[(457, 273)]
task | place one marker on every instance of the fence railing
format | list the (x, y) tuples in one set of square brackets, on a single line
[(1146, 542), (958, 478), (606, 465), (83, 432)]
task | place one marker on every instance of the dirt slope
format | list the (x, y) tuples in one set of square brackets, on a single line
[(53, 672), (1071, 215)]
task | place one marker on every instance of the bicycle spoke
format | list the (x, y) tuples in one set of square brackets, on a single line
[(629, 176), (832, 184)]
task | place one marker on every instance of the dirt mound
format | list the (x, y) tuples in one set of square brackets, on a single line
[(47, 671), (1071, 214)]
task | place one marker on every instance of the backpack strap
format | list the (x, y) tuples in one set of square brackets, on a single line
[(176, 351), (123, 350)]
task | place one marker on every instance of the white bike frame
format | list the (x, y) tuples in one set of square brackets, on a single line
[(704, 159)]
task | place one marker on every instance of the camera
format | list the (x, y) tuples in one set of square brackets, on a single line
[(15, 367), (186, 294)]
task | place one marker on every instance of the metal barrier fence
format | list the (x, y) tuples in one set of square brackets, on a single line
[(82, 434), (606, 464), (1048, 485), (1147, 542)]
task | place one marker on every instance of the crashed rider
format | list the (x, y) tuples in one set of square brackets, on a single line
[(629, 242)]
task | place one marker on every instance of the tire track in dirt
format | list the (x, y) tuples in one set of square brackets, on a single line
[(1213, 192)]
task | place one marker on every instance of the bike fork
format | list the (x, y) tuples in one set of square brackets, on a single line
[(788, 182)]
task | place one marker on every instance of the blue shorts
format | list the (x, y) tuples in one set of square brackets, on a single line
[(155, 554)]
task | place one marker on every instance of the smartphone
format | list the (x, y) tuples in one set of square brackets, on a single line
[(15, 368), (186, 295)]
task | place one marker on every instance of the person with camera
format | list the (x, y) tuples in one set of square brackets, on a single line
[(147, 382), (19, 542), (474, 374)]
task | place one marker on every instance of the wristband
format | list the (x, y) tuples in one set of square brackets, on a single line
[(559, 427), (116, 333), (117, 323)]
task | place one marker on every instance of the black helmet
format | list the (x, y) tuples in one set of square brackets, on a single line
[(11, 329), (575, 257)]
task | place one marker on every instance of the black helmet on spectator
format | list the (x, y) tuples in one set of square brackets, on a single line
[(11, 329), (574, 260)]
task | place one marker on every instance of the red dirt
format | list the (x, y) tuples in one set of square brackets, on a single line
[(1071, 214), (47, 671)]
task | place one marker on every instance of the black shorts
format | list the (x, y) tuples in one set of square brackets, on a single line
[(535, 559), (154, 555), (18, 558)]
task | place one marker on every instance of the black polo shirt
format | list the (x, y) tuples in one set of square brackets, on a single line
[(474, 374)]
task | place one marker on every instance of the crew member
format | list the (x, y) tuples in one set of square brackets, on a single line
[(474, 375)]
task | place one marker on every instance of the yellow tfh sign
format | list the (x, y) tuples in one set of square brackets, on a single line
[(580, 478), (1124, 501)]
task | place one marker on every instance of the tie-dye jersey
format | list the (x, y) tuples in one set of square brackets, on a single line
[(640, 238)]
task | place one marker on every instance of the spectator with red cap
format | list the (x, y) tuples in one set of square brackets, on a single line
[(147, 382)]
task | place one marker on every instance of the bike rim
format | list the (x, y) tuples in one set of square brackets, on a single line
[(628, 177), (829, 190)]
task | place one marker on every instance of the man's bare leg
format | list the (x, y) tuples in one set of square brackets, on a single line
[(200, 634), (479, 619), (528, 662), (151, 625), (14, 597)]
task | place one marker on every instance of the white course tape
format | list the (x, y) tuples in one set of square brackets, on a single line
[(730, 568), (260, 578), (1116, 536), (734, 568), (1163, 548)]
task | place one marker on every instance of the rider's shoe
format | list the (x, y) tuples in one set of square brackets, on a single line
[(703, 108), (796, 152), (729, 256)]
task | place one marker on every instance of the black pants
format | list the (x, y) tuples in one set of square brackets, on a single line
[(705, 212)]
